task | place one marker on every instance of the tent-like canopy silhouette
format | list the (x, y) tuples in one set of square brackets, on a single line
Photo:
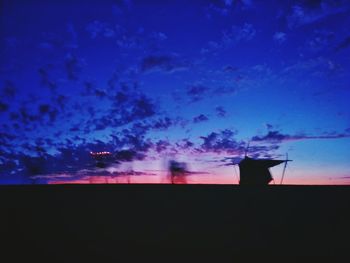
[(256, 172)]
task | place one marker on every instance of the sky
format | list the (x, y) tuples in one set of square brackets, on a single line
[(191, 81)]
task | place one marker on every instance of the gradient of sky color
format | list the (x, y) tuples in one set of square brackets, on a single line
[(193, 81)]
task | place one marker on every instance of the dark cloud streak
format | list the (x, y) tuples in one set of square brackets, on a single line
[(165, 63)]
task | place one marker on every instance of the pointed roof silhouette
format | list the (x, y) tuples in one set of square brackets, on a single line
[(256, 171)]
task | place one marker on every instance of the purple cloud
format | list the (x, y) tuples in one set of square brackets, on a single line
[(197, 92), (200, 118), (220, 111), (222, 141), (277, 137)]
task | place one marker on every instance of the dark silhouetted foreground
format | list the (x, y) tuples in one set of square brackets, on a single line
[(176, 223)]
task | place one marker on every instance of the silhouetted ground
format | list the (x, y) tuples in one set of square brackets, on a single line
[(177, 223)]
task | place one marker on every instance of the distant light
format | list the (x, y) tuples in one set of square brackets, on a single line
[(100, 153)]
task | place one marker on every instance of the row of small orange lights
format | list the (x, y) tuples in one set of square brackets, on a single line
[(100, 153)]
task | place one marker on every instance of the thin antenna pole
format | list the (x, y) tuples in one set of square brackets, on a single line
[(284, 168), (246, 150)]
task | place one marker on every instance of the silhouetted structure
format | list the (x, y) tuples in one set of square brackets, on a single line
[(256, 172), (177, 171)]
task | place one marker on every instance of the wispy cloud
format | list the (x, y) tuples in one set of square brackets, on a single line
[(224, 142), (280, 37), (343, 44), (73, 66), (236, 34), (317, 66), (200, 118), (225, 7), (278, 137), (3, 107), (102, 29), (308, 12), (197, 92), (168, 63), (220, 111)]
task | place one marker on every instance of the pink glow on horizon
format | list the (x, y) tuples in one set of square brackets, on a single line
[(148, 179), (190, 179), (228, 175)]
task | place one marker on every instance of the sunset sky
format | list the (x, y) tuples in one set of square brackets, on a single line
[(192, 81)]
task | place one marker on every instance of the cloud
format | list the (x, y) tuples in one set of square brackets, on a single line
[(200, 118), (138, 144), (320, 40), (102, 29), (9, 90), (90, 89), (46, 46), (124, 109), (280, 37), (74, 159), (120, 6), (73, 41), (233, 36), (3, 107), (344, 177), (161, 146), (222, 141), (164, 63), (225, 7), (46, 79), (143, 107), (159, 36), (343, 44), (196, 92), (308, 12), (127, 156), (49, 111), (162, 123), (199, 91), (240, 33), (225, 90), (128, 42), (73, 66), (254, 151), (274, 136), (230, 69), (54, 41), (219, 7), (185, 144), (12, 42), (220, 111), (318, 66), (121, 36)]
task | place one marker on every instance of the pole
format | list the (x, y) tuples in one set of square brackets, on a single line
[(284, 168), (246, 149)]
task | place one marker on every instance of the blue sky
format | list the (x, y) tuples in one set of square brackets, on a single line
[(174, 80)]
